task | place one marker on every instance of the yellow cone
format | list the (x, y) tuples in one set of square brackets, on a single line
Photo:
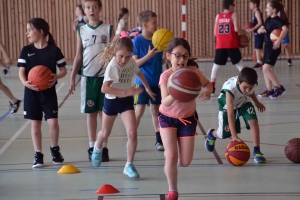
[(68, 169)]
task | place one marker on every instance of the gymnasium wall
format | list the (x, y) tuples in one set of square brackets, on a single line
[(60, 15)]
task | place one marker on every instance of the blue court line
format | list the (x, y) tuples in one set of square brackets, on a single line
[(5, 115)]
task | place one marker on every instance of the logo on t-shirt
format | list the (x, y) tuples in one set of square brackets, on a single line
[(104, 39), (90, 103)]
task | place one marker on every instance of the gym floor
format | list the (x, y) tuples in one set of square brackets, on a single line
[(209, 177)]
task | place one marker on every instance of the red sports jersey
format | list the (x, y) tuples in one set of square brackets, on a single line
[(227, 38)]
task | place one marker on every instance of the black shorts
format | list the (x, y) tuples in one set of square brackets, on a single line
[(223, 54), (38, 102), (258, 40), (270, 54), (186, 127), (115, 106)]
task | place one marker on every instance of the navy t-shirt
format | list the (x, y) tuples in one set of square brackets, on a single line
[(271, 24)]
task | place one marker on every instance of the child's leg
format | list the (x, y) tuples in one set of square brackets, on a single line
[(6, 91), (53, 131), (36, 134), (259, 54), (139, 112), (288, 53), (270, 77), (128, 118), (254, 130), (92, 126), (169, 138), (186, 150)]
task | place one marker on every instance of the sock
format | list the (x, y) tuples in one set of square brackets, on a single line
[(240, 65), (92, 144), (104, 145), (128, 163), (172, 190), (214, 71), (256, 150), (14, 101), (213, 84), (38, 151), (259, 62), (97, 150), (158, 138)]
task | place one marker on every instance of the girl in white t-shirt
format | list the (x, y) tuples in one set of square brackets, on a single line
[(119, 90), (123, 21)]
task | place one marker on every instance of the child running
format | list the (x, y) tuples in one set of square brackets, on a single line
[(119, 91), (234, 101), (178, 120), (37, 103), (273, 50)]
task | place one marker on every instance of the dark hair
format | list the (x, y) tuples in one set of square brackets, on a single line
[(123, 11), (40, 24), (248, 75), (175, 42), (116, 44), (145, 16), (98, 1), (257, 2), (192, 63), (279, 8), (227, 3), (80, 8)]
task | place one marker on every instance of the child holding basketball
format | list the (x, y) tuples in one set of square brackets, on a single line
[(150, 61), (37, 103), (14, 103), (178, 120), (257, 21), (234, 101), (226, 30), (286, 41), (119, 91), (92, 38), (273, 50)]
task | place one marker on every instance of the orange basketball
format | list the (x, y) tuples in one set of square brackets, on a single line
[(244, 40), (184, 85), (40, 76), (292, 150), (248, 25), (237, 153), (275, 34)]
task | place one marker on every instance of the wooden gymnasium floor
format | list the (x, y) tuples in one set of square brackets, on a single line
[(207, 178)]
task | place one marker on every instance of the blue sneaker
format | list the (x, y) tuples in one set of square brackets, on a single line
[(130, 171), (210, 140), (159, 146), (258, 158), (96, 158), (278, 92)]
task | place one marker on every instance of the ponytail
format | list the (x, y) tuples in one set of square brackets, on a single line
[(50, 39)]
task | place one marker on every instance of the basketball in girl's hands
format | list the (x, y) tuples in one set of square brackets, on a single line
[(237, 153), (275, 34), (248, 25), (40, 76), (292, 150), (184, 85), (161, 38), (244, 40)]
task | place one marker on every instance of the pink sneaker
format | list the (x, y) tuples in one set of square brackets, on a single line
[(172, 195)]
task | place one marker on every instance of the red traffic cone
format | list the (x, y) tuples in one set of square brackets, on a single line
[(107, 189)]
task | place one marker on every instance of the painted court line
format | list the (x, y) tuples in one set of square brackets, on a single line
[(11, 140)]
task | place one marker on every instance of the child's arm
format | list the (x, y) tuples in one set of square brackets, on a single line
[(150, 54), (76, 64), (6, 59), (62, 73), (75, 24), (119, 92), (230, 113), (215, 27), (25, 82), (259, 22), (145, 83), (166, 98), (237, 25), (260, 106), (283, 33), (208, 88)]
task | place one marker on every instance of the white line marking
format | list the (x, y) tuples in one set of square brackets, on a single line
[(12, 139)]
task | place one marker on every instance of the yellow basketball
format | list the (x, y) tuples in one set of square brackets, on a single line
[(161, 38)]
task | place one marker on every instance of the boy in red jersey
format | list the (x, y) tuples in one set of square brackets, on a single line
[(226, 30)]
